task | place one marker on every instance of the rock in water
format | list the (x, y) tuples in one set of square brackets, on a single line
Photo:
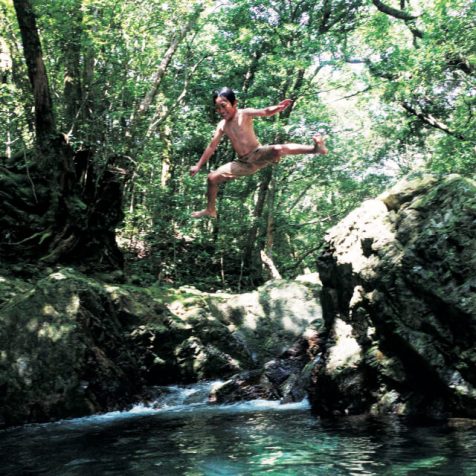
[(399, 304)]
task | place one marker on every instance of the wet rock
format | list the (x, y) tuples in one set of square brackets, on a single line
[(399, 304), (249, 385), (198, 361), (285, 378)]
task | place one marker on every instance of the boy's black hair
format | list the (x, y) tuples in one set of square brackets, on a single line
[(227, 93)]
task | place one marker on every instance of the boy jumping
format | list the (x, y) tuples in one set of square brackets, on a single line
[(237, 124)]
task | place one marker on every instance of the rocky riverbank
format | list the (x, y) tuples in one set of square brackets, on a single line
[(71, 345)]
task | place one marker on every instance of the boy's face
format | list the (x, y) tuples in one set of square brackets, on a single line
[(224, 107)]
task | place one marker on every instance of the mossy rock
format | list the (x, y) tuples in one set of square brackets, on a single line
[(63, 351)]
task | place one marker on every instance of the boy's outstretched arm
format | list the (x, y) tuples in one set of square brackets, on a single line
[(208, 152), (270, 110)]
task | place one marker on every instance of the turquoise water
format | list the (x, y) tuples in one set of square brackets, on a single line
[(257, 438)]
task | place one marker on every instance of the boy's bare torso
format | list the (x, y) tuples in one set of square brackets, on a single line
[(241, 133)]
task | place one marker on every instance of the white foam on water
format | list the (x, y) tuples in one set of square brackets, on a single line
[(174, 400)]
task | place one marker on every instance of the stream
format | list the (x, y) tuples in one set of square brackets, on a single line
[(179, 433)]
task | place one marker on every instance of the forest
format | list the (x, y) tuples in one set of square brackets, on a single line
[(105, 106)]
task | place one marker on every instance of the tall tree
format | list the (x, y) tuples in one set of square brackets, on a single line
[(73, 91), (45, 125)]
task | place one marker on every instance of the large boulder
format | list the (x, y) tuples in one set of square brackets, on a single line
[(63, 351), (273, 317), (399, 304), (216, 335)]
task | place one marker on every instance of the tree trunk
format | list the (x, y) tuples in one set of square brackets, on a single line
[(44, 118), (72, 71), (88, 95), (251, 72), (251, 253), (270, 217)]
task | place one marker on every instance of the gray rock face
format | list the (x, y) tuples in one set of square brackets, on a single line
[(270, 319), (280, 321), (285, 378), (399, 304)]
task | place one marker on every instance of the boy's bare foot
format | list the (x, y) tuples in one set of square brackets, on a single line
[(204, 213), (320, 144)]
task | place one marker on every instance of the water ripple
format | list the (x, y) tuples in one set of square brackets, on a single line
[(239, 440)]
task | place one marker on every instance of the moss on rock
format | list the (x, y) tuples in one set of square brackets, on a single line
[(63, 352)]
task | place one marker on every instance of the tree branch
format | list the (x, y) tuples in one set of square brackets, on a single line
[(393, 12), (360, 91), (401, 15), (431, 121), (162, 68), (160, 118)]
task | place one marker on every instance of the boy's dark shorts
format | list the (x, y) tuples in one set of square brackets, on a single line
[(250, 163)]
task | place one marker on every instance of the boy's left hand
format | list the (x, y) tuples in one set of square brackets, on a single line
[(284, 104)]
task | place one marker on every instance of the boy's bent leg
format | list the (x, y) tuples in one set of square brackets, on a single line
[(212, 190), (228, 171)]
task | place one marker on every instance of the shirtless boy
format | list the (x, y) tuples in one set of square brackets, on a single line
[(237, 124)]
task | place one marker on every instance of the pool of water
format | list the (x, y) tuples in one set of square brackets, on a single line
[(255, 438)]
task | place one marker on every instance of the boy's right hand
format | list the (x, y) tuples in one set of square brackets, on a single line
[(194, 170)]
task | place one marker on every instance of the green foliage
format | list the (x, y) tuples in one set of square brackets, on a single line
[(392, 103)]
